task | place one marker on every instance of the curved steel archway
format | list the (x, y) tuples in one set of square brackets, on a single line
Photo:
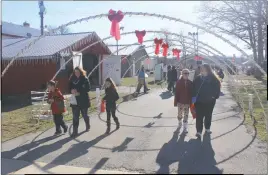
[(140, 14)]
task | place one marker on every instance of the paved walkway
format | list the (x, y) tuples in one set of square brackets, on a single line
[(147, 142)]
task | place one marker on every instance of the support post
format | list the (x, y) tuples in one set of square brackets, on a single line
[(250, 105)]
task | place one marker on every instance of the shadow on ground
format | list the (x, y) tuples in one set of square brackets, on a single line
[(193, 156), (166, 95)]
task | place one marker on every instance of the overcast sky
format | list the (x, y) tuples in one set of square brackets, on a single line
[(61, 12)]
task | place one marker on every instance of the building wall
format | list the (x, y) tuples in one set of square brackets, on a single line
[(23, 78), (139, 55)]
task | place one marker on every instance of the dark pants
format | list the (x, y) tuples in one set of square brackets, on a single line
[(165, 75), (76, 113), (140, 86), (110, 110), (171, 86), (204, 110), (58, 120)]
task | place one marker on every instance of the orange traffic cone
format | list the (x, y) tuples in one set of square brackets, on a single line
[(103, 106), (192, 109)]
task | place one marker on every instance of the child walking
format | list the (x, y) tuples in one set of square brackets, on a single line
[(183, 98), (56, 99), (111, 96)]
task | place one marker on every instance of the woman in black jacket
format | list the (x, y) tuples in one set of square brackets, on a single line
[(111, 96), (79, 87), (205, 92)]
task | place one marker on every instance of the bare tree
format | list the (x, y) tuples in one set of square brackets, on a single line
[(63, 30), (244, 20)]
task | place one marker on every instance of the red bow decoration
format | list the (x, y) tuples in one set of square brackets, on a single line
[(124, 60), (198, 58), (157, 42), (115, 18), (165, 49), (140, 35), (176, 52)]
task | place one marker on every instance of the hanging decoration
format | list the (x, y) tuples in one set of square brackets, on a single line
[(157, 43), (115, 18), (165, 49), (140, 35), (176, 52)]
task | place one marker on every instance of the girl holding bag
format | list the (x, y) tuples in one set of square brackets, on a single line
[(182, 98), (56, 99), (80, 102), (111, 96), (205, 92)]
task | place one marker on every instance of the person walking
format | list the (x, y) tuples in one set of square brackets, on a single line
[(111, 96), (56, 100), (183, 98), (206, 89), (174, 78), (165, 71), (169, 77), (141, 80), (79, 87)]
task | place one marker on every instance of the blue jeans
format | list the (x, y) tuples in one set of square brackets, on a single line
[(76, 113)]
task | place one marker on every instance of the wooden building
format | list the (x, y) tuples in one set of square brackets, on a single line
[(42, 60)]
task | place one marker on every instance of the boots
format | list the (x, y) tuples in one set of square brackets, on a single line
[(108, 127), (185, 127), (86, 119), (75, 131), (117, 123)]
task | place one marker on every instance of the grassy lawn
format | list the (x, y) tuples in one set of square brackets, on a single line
[(258, 112), (18, 122)]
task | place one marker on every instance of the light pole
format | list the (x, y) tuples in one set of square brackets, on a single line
[(41, 13), (195, 40)]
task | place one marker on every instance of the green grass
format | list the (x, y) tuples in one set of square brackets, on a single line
[(258, 112), (18, 122)]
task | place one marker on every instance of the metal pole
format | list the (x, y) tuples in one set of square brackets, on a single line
[(42, 22), (197, 40), (117, 47)]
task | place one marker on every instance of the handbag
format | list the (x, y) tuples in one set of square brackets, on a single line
[(192, 106), (73, 100)]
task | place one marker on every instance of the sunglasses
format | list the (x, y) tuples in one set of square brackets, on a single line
[(185, 73)]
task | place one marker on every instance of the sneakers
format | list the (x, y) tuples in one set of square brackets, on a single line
[(198, 135), (208, 131), (57, 133)]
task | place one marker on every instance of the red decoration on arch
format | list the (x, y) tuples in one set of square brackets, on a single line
[(176, 52), (157, 42), (165, 49), (140, 35), (115, 18)]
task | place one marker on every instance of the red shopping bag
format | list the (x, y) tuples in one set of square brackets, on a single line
[(103, 106), (193, 111)]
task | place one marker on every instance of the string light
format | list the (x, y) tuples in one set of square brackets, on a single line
[(137, 14)]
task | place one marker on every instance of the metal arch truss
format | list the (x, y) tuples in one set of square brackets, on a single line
[(136, 14)]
